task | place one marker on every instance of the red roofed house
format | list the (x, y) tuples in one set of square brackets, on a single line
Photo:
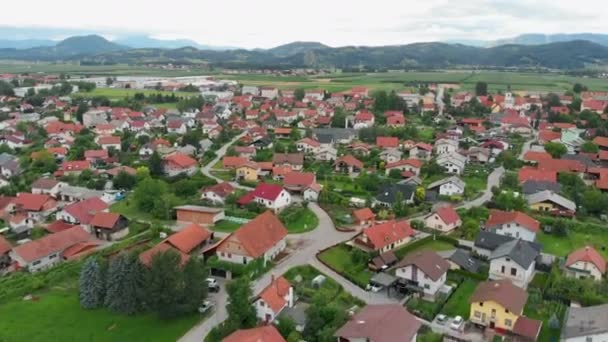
[(536, 156), (54, 248), (190, 239), (545, 136), (273, 299), (387, 142), (561, 165), (364, 217), (34, 207), (266, 333), (82, 212), (229, 162), (348, 164), (146, 257), (296, 181), (74, 167), (385, 236), (405, 165), (395, 121), (364, 119), (109, 226), (531, 174), (110, 141), (272, 196), (96, 156), (421, 151), (584, 263), (179, 163), (263, 237), (513, 223), (602, 142), (217, 193), (444, 219)]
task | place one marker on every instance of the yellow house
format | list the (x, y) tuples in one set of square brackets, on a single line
[(497, 305), (248, 172)]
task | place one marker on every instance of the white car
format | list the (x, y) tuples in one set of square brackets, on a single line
[(441, 319), (212, 284), (374, 287), (457, 323), (206, 306)]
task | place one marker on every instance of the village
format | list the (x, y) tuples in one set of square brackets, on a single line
[(297, 214)]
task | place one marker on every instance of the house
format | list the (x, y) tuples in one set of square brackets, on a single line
[(425, 271), (177, 126), (109, 142), (390, 155), (74, 167), (199, 214), (190, 238), (389, 194), (348, 164), (531, 174), (229, 162), (584, 263), (308, 145), (421, 151), (263, 237), (109, 226), (47, 186), (35, 207), (275, 297), (444, 219), (265, 333), (461, 259), (9, 165), (446, 146), (479, 155), (550, 202), (532, 187), (326, 153), (363, 217), (82, 212), (453, 162), (486, 242), (295, 160), (451, 186), (499, 305), (217, 193), (311, 192), (248, 171), (179, 163), (272, 196), (269, 92), (380, 323), (585, 324), (52, 249), (405, 165), (96, 156), (514, 260), (363, 119), (298, 181), (387, 142), (384, 237), (146, 257), (513, 223)]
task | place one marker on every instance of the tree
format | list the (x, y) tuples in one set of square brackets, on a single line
[(508, 200), (339, 118), (163, 284), (91, 285), (589, 147), (155, 164), (553, 100), (124, 180), (6, 89), (82, 108), (578, 88), (44, 162), (420, 194), (380, 101), (299, 94), (147, 192), (395, 174), (194, 286), (481, 88), (241, 312), (121, 292), (556, 150)]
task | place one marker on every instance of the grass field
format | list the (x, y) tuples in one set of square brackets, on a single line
[(562, 246), (300, 220), (57, 316), (458, 304), (116, 93), (340, 259), (436, 245), (94, 70), (225, 226), (129, 209)]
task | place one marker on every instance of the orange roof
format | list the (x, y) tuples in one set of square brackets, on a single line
[(258, 235), (351, 161), (499, 217), (267, 333), (448, 215), (189, 238), (387, 142), (536, 156), (274, 294), (528, 173), (5, 246), (53, 243), (147, 256), (31, 202), (105, 220), (295, 178), (412, 162), (587, 254), (282, 130), (181, 160), (231, 162), (364, 214), (601, 141), (383, 234), (561, 165)]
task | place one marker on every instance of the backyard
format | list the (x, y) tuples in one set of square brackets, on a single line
[(56, 315), (350, 262), (563, 245), (458, 303), (440, 244), (225, 226), (298, 219), (541, 309)]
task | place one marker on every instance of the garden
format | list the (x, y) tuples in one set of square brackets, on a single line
[(349, 262)]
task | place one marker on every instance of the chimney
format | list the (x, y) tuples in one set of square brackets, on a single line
[(272, 278)]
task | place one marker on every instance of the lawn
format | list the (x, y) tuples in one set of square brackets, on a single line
[(427, 243), (225, 226), (341, 259), (562, 246), (458, 303), (537, 308), (128, 208), (224, 175), (299, 220), (424, 308), (57, 316), (119, 93)]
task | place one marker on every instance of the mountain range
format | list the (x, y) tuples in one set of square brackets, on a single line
[(95, 49), (537, 39)]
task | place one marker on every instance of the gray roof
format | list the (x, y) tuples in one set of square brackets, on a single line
[(457, 181), (589, 321), (518, 250), (387, 193), (464, 259), (532, 187), (79, 192), (335, 133), (297, 313), (490, 241), (551, 196), (5, 157), (383, 279)]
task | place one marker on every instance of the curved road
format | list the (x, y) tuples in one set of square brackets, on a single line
[(206, 170)]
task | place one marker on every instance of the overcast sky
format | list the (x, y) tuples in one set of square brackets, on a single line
[(268, 23)]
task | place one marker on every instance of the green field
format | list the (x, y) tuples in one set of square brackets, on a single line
[(56, 316), (94, 70), (562, 246), (436, 245), (300, 220), (458, 304), (118, 93), (225, 226), (340, 259), (129, 209)]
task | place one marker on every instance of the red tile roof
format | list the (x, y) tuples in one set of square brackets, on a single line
[(527, 327), (189, 238), (266, 191), (75, 165), (547, 135), (274, 294), (536, 156), (105, 220), (448, 215), (109, 140), (258, 235), (96, 154), (387, 142), (267, 333), (5, 246), (53, 243), (31, 202), (181, 160), (222, 189), (529, 173), (412, 162), (84, 211), (502, 292), (147, 256), (499, 217), (364, 214), (232, 162), (587, 254), (351, 161), (601, 141), (59, 226), (561, 165), (296, 178), (380, 323), (384, 234)]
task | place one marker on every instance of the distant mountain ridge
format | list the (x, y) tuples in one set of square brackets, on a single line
[(536, 39), (142, 42), (97, 50)]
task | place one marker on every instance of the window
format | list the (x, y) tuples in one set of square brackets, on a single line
[(480, 303), (262, 303), (508, 322), (477, 314), (427, 286), (513, 271), (506, 310), (37, 262), (502, 269)]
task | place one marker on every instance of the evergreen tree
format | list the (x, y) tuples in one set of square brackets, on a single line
[(91, 285), (163, 281), (116, 294), (195, 287), (241, 312), (155, 164)]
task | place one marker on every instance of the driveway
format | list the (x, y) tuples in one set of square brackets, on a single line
[(220, 153), (493, 180)]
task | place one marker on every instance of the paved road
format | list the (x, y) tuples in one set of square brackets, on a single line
[(527, 145), (206, 170), (439, 100), (493, 180)]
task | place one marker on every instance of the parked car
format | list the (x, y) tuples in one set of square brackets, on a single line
[(374, 287), (457, 323), (206, 306), (441, 319), (212, 285)]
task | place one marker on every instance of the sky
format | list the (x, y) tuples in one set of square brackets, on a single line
[(268, 23)]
